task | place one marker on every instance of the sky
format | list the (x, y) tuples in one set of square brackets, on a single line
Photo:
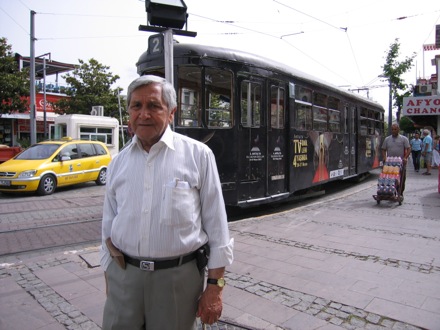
[(343, 42)]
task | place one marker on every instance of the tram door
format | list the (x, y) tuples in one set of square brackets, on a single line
[(352, 139), (252, 140), (276, 144)]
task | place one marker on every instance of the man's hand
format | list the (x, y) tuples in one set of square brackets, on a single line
[(210, 304)]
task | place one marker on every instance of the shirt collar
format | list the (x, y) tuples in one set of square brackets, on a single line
[(167, 139)]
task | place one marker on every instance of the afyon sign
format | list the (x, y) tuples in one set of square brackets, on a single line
[(421, 105)]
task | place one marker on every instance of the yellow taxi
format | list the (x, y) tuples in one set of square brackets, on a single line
[(47, 165)]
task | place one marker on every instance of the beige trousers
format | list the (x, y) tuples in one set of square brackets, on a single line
[(161, 299)]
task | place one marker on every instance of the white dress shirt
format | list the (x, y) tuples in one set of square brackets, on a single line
[(165, 203)]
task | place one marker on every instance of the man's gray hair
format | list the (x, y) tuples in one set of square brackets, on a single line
[(168, 91), (426, 131)]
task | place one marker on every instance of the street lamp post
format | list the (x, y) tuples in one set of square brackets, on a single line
[(32, 117)]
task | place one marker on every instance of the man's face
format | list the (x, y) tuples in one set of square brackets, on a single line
[(149, 115), (394, 131)]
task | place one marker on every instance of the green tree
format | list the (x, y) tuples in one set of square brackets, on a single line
[(90, 84), (406, 125), (14, 84), (393, 69)]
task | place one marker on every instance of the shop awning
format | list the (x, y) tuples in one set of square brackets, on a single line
[(52, 67)]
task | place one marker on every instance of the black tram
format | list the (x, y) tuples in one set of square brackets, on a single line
[(276, 132)]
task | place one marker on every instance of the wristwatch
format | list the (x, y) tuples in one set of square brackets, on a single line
[(219, 282)]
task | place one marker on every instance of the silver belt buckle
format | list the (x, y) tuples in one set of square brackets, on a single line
[(147, 265)]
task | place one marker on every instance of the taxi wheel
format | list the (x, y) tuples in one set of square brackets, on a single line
[(102, 177), (47, 185)]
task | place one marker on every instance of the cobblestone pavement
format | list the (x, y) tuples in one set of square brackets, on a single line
[(342, 263), (348, 317), (58, 307), (50, 300)]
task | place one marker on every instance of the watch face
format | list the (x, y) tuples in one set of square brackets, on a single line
[(221, 282)]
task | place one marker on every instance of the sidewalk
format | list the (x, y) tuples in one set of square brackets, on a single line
[(339, 262)]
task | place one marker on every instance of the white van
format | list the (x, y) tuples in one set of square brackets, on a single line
[(88, 127)]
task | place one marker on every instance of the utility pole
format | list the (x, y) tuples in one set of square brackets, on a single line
[(32, 116)]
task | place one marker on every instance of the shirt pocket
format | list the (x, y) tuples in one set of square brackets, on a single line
[(178, 204)]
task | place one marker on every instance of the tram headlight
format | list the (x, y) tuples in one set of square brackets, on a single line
[(27, 174)]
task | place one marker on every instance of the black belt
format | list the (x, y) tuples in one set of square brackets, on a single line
[(151, 265)]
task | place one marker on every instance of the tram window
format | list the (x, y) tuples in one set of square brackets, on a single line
[(218, 96), (364, 122), (277, 107), (303, 108), (320, 112), (250, 104), (334, 121), (303, 94), (334, 115), (189, 107), (347, 119), (333, 103), (364, 126), (371, 122), (353, 121), (303, 116)]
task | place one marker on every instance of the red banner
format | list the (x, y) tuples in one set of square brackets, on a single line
[(430, 47)]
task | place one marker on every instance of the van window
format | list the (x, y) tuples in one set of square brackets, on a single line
[(99, 149), (87, 150), (71, 151)]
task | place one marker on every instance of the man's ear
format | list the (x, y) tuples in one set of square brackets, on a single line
[(171, 115)]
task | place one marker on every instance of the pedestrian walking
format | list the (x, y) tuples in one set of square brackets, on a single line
[(427, 151), (416, 150)]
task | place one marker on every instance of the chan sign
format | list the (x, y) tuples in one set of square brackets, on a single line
[(421, 106)]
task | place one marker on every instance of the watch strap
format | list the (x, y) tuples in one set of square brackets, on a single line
[(219, 282)]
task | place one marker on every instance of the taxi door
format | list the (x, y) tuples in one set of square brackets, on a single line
[(70, 168), (90, 162)]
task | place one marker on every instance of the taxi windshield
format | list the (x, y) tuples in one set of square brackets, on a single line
[(38, 151)]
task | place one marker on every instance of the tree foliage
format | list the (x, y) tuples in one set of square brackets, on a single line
[(14, 84), (393, 69), (406, 125), (90, 85)]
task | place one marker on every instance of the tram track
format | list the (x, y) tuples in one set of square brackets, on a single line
[(47, 226), (49, 236)]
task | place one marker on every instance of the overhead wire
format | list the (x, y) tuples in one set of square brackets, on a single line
[(18, 24), (231, 23)]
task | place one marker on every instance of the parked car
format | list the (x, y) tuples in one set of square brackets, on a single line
[(44, 166)]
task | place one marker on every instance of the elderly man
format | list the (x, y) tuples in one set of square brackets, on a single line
[(164, 220), (427, 151)]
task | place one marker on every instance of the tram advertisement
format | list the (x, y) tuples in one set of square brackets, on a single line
[(316, 158)]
